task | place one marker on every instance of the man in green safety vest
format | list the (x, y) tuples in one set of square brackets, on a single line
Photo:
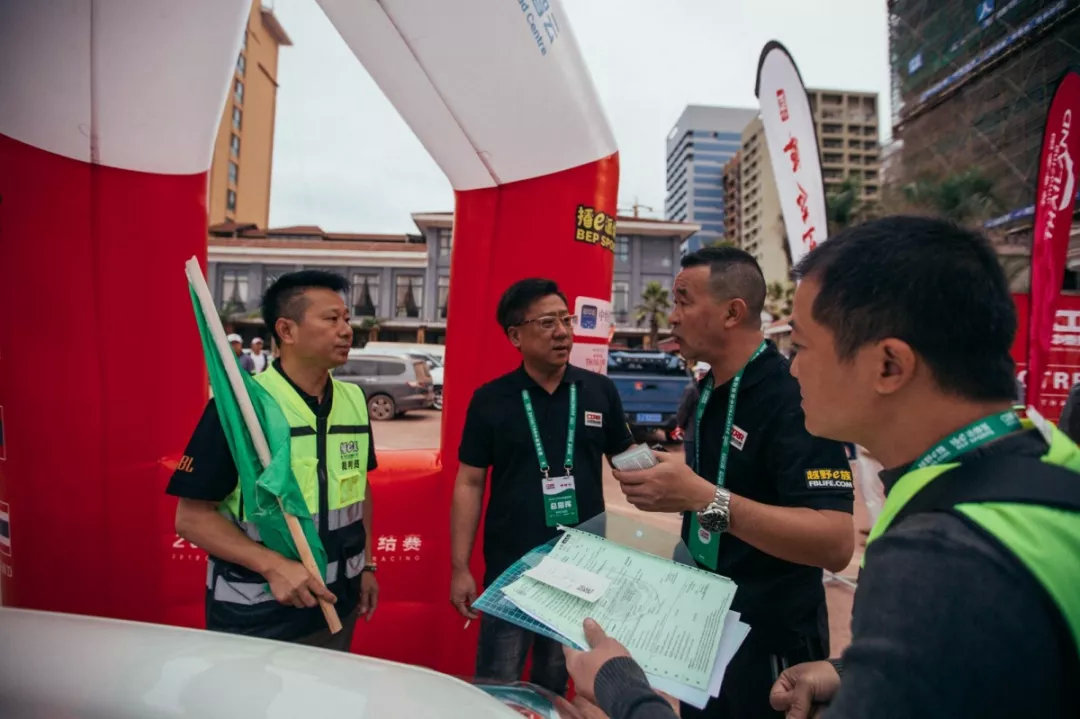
[(968, 604), (250, 588)]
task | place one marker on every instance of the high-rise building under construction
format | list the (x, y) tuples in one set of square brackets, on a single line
[(971, 83)]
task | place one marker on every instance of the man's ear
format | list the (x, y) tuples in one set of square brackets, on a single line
[(895, 365), (514, 335), (286, 330), (736, 313)]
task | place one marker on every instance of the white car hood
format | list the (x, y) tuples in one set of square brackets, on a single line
[(69, 665)]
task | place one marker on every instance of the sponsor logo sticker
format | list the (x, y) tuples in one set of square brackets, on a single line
[(828, 478)]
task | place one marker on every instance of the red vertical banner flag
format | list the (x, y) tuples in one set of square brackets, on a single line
[(1054, 204)]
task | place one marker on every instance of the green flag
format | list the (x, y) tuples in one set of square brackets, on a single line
[(260, 488)]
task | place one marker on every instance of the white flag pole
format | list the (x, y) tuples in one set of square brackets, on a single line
[(221, 344)]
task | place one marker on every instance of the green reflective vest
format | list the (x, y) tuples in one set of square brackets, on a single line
[(329, 458), (344, 446), (1046, 540)]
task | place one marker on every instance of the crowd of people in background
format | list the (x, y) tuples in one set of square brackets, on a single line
[(255, 359)]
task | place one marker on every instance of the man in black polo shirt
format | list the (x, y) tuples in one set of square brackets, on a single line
[(519, 426), (764, 502)]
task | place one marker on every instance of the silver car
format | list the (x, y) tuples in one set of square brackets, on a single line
[(393, 384)]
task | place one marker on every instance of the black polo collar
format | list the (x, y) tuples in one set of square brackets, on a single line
[(762, 367), (522, 380), (321, 409)]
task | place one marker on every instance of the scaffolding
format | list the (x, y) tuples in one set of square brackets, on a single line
[(971, 84)]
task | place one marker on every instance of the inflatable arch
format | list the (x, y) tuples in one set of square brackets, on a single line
[(108, 112)]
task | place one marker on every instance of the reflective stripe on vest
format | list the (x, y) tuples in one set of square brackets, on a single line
[(1046, 540), (258, 592), (336, 519)]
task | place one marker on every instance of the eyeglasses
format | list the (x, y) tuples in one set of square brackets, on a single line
[(548, 322)]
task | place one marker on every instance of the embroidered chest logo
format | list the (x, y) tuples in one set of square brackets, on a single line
[(350, 455), (594, 419)]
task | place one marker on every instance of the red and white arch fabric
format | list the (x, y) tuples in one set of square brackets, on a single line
[(127, 84), (490, 101), (108, 113)]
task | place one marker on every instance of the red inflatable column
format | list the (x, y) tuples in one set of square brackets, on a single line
[(103, 161)]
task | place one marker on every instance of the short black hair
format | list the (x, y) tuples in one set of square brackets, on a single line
[(928, 282), (518, 296), (733, 273), (285, 298)]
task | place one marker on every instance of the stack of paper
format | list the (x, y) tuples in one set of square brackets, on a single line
[(674, 619), (638, 456)]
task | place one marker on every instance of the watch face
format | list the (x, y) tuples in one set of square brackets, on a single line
[(713, 520)]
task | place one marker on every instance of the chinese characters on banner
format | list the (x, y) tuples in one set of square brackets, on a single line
[(793, 151), (388, 548), (1062, 369), (1053, 218)]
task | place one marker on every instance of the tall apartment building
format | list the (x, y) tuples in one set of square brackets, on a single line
[(239, 186), (762, 231), (733, 200), (847, 133), (703, 140)]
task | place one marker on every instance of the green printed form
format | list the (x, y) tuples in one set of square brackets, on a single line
[(670, 616)]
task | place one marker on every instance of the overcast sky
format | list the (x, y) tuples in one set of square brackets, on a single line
[(345, 160)]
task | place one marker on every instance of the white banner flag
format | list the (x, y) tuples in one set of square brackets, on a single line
[(793, 149)]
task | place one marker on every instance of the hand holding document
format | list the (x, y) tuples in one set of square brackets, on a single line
[(674, 619), (639, 456)]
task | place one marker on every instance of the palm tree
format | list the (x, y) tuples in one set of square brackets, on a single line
[(654, 307), (721, 243), (371, 326), (778, 298), (843, 205), (963, 197)]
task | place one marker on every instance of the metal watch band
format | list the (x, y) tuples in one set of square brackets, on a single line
[(721, 504)]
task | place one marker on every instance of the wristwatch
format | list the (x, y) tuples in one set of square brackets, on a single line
[(369, 568), (716, 517)]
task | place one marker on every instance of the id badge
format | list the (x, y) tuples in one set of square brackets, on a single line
[(560, 501), (704, 545)]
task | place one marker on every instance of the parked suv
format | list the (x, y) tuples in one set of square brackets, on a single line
[(651, 386), (393, 384), (435, 369), (434, 365)]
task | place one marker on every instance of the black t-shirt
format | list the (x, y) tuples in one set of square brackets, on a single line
[(207, 470), (497, 435), (773, 460)]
